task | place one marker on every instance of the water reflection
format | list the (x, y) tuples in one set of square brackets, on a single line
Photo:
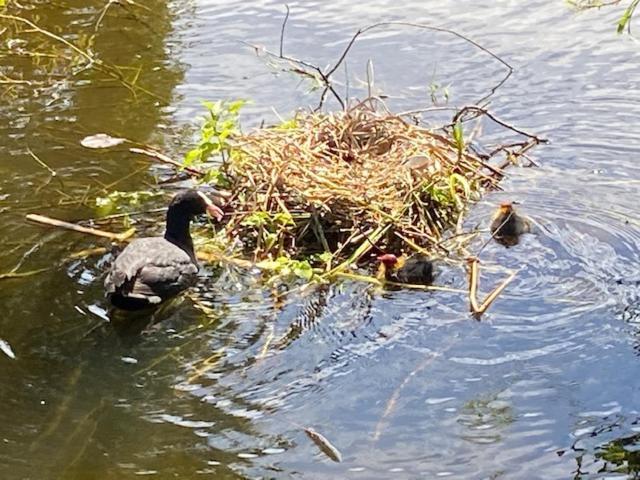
[(64, 393)]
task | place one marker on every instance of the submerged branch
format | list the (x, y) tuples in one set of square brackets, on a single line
[(9, 275)]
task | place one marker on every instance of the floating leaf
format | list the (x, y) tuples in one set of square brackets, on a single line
[(324, 445), (6, 348), (101, 140)]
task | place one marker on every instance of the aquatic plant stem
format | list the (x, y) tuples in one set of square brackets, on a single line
[(284, 24), (495, 293), (41, 163), (483, 111), (368, 28), (474, 275), (473, 284)]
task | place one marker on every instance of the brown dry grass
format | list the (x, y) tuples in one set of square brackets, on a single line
[(334, 182)]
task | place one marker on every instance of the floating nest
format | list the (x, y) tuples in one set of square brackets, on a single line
[(333, 186)]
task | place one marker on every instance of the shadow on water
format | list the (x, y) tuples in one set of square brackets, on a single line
[(404, 383)]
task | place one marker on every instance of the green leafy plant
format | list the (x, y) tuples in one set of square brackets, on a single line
[(625, 20), (286, 267), (269, 220), (269, 226), (219, 126)]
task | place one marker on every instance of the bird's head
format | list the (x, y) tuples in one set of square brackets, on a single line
[(506, 207), (389, 260), (195, 202)]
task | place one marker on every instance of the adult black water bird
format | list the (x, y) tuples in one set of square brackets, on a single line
[(154, 269), (416, 270), (507, 225)]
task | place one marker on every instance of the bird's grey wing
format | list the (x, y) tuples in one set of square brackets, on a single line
[(164, 281), (125, 266), (162, 259)]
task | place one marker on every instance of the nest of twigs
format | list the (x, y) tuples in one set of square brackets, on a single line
[(338, 183)]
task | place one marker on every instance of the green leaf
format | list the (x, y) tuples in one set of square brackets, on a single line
[(269, 265), (235, 106), (303, 270), (192, 157), (457, 179), (217, 178), (283, 219), (627, 15), (458, 137), (256, 219), (325, 257), (270, 240), (288, 125)]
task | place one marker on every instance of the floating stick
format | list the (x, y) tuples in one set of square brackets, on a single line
[(119, 237), (324, 445)]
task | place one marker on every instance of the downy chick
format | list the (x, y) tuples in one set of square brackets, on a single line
[(507, 225), (416, 270)]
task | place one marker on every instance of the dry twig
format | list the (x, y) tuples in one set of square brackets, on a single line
[(119, 237)]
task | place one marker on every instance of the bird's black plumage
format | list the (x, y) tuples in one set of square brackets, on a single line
[(152, 270), (507, 225), (416, 270)]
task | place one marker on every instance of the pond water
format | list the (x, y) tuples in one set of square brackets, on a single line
[(406, 384)]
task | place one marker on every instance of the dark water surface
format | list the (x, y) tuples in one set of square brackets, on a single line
[(545, 387)]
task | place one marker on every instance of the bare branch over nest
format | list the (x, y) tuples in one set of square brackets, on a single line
[(325, 76)]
